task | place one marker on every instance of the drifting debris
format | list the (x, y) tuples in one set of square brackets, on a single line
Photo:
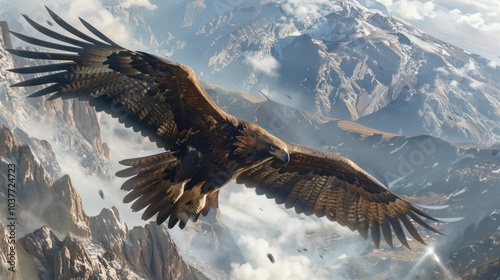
[(271, 257), (101, 194)]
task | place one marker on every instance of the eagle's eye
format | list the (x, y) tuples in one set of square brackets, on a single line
[(273, 147)]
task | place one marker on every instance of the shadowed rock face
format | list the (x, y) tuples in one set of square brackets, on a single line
[(488, 270), (152, 255), (479, 259), (56, 203)]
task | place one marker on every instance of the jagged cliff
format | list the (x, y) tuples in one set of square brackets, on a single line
[(55, 239)]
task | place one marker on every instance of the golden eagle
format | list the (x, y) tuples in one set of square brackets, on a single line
[(205, 148)]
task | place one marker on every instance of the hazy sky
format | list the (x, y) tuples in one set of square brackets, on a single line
[(473, 25)]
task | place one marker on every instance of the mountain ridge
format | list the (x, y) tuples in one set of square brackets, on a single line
[(345, 62)]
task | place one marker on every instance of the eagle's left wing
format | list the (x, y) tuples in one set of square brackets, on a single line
[(324, 184), (162, 99)]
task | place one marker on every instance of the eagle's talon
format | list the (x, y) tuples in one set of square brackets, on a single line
[(175, 192)]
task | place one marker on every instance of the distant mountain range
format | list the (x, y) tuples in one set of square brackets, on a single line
[(340, 60)]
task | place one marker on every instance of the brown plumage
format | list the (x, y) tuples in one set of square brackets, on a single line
[(206, 148)]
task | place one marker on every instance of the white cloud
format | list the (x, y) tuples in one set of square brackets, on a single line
[(247, 272), (414, 10), (265, 64), (138, 3), (286, 266), (308, 11), (473, 25), (261, 227)]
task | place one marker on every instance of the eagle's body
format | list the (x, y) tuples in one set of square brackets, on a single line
[(206, 148)]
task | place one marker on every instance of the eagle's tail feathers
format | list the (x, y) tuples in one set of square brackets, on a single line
[(188, 207), (154, 208), (145, 199), (146, 165), (179, 215), (140, 186), (165, 212), (47, 90), (153, 187)]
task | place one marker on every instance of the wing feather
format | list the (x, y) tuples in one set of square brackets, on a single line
[(375, 231), (386, 231), (319, 183)]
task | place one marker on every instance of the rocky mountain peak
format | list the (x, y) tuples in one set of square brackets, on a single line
[(65, 213), (57, 240), (108, 227), (8, 143)]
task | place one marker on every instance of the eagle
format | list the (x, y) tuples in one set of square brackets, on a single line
[(205, 148)]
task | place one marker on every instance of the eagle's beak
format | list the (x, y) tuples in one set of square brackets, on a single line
[(282, 154)]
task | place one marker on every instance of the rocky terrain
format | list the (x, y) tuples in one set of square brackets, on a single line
[(55, 239)]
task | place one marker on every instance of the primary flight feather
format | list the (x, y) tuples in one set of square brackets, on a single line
[(205, 148)]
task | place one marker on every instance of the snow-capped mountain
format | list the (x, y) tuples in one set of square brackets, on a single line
[(334, 58)]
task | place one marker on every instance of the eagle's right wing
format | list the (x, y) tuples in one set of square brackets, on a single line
[(324, 184), (160, 98)]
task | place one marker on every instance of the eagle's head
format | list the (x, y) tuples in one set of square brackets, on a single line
[(255, 144)]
